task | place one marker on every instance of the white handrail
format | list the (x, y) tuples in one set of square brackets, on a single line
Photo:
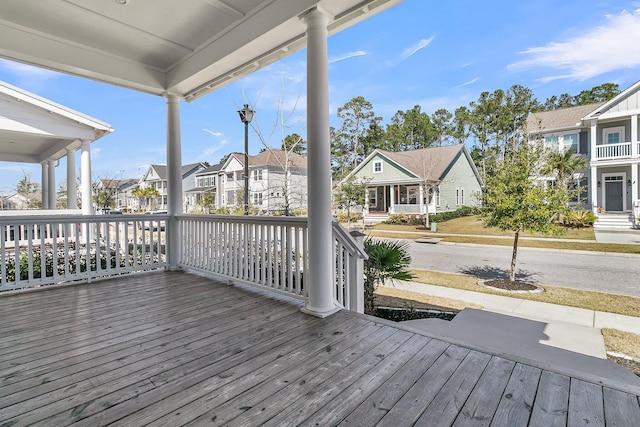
[(267, 252), (76, 247)]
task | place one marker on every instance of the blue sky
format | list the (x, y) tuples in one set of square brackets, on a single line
[(432, 54)]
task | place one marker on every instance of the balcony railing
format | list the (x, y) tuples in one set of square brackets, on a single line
[(613, 151), (268, 252)]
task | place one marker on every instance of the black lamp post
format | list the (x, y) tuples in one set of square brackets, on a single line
[(246, 114)]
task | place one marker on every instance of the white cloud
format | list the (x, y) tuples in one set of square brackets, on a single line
[(601, 49), (470, 82), (416, 48), (347, 56), (95, 151), (213, 132), (211, 150)]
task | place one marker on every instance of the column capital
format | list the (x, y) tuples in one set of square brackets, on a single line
[(316, 15)]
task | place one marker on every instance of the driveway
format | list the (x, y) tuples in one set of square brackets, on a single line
[(611, 273)]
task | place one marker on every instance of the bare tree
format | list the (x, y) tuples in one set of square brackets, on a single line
[(289, 126)]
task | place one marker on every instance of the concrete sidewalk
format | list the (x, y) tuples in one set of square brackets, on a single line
[(569, 328)]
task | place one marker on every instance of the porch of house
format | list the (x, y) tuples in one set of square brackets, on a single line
[(171, 348)]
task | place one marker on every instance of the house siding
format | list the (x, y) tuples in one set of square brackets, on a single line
[(459, 176), (631, 102), (390, 172)]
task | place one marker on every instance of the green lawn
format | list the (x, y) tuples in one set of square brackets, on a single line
[(473, 225), (471, 230)]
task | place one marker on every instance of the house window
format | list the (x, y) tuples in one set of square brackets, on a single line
[(257, 198), (412, 195), (373, 198), (613, 135), (377, 166), (437, 194), (257, 174), (561, 143), (459, 196)]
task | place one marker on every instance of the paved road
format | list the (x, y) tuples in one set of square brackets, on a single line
[(596, 272)]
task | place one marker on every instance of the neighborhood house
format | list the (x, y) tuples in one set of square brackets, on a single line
[(606, 135), (435, 179)]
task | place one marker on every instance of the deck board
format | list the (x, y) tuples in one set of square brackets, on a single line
[(170, 348)]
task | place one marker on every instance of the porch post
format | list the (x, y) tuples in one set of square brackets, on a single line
[(52, 184), (85, 177), (321, 264), (174, 180), (72, 194), (634, 135), (593, 139), (392, 199), (45, 185), (634, 186), (421, 198), (593, 186)]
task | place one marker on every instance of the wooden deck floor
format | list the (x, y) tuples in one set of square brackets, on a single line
[(170, 349)]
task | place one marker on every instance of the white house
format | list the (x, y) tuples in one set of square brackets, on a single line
[(606, 135), (156, 176), (277, 181)]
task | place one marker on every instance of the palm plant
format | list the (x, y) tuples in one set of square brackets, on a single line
[(563, 165), (388, 260)]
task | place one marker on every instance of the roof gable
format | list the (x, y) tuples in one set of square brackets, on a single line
[(626, 102)]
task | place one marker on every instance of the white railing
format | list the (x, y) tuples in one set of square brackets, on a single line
[(268, 252), (613, 151), (77, 247), (407, 209)]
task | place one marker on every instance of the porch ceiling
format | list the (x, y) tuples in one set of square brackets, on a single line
[(187, 48)]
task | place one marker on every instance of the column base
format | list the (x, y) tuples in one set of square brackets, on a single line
[(320, 313)]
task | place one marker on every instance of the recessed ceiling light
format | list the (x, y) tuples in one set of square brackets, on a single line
[(122, 1)]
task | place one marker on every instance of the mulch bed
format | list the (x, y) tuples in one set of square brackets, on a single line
[(507, 285), (629, 364)]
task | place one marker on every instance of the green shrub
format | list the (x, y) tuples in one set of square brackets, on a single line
[(397, 219), (579, 219), (353, 217), (222, 211), (458, 213)]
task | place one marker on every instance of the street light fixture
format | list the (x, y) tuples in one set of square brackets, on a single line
[(246, 114)]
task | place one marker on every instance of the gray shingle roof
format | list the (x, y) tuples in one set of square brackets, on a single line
[(565, 118), (427, 163)]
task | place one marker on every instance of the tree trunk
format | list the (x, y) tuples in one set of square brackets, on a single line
[(512, 273)]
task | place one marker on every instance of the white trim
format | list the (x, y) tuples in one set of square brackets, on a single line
[(375, 163), (615, 129), (624, 189)]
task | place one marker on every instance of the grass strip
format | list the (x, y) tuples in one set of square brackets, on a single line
[(609, 303)]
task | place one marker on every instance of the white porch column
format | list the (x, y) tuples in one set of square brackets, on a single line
[(72, 191), (634, 185), (634, 136), (593, 186), (52, 184), (45, 185), (421, 197), (392, 199), (321, 263), (85, 178), (593, 139), (174, 180)]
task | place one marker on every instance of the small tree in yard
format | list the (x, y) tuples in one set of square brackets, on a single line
[(350, 195), (388, 260), (514, 200)]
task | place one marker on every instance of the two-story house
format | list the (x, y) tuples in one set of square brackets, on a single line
[(206, 183), (156, 176), (606, 134), (277, 181)]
